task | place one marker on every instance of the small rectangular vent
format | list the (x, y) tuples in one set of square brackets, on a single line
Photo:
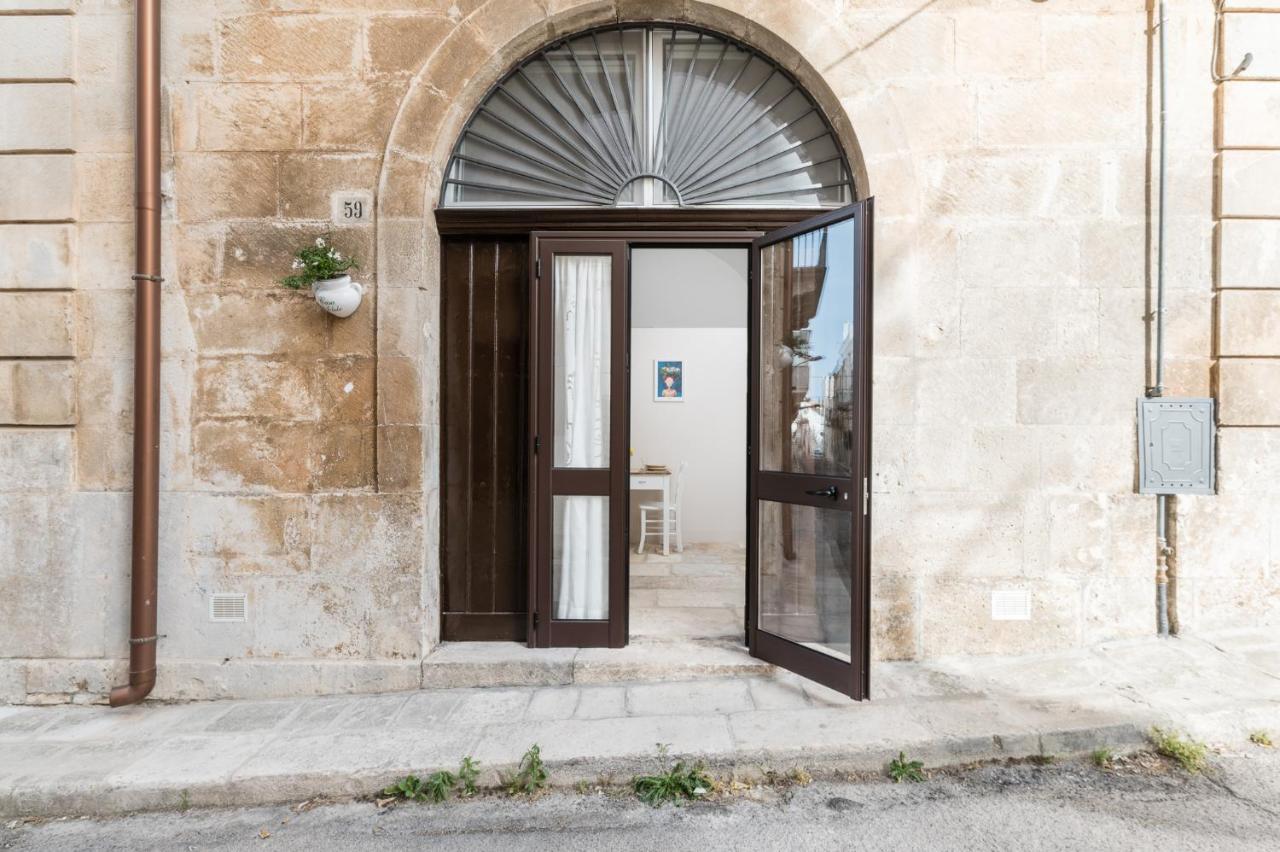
[(228, 606), (1010, 605)]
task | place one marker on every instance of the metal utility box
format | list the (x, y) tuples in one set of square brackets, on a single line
[(1175, 446)]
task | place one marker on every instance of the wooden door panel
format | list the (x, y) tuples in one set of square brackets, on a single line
[(482, 409)]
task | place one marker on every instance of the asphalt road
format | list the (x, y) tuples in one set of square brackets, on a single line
[(1061, 806)]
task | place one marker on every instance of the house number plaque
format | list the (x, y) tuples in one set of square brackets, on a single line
[(351, 208)]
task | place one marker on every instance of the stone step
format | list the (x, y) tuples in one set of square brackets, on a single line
[(469, 664)]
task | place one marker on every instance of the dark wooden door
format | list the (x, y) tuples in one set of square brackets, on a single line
[(578, 396), (484, 369), (809, 509)]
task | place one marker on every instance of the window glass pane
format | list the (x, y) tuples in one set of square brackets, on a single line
[(805, 580), (580, 557), (581, 318), (808, 358)]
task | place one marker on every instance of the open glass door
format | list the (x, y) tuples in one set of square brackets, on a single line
[(578, 453), (810, 449)]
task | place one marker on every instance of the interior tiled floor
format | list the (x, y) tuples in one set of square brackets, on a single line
[(697, 594)]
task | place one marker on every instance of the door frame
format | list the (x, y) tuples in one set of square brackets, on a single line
[(804, 661), (545, 480), (538, 569)]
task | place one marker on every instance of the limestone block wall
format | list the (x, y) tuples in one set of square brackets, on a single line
[(39, 405), (1008, 146), (1232, 548)]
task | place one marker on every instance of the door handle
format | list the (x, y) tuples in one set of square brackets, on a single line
[(831, 492)]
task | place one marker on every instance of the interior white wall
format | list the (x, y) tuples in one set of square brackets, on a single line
[(708, 429), (689, 288)]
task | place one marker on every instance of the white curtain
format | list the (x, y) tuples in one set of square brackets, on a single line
[(582, 317)]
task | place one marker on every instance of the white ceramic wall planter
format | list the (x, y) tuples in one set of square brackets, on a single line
[(339, 296)]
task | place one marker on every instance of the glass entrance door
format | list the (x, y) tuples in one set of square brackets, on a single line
[(578, 405), (810, 445)]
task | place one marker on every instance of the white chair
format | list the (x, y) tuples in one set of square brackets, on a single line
[(671, 523)]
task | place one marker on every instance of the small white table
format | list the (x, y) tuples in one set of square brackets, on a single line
[(661, 482)]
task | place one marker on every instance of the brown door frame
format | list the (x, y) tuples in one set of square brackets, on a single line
[(541, 244), (648, 227), (547, 481), (853, 678)]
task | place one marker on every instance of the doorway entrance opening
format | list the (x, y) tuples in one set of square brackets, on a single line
[(687, 559), (656, 347), (805, 461)]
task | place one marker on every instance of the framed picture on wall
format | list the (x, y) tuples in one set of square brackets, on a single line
[(668, 381)]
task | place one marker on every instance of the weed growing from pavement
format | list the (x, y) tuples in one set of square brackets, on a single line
[(468, 774), (1261, 738), (531, 776), (901, 769), (184, 801), (408, 788), (437, 786), (1188, 753), (1102, 757), (675, 783)]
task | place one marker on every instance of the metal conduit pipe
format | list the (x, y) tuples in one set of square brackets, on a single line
[(146, 362), (1162, 501)]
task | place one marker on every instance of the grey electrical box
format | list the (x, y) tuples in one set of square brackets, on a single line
[(1175, 446)]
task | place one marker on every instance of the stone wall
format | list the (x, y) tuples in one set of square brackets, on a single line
[(1006, 143), (1232, 543)]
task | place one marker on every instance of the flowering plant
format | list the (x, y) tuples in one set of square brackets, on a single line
[(316, 263)]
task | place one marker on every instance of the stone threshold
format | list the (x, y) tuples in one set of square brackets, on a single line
[(480, 664)]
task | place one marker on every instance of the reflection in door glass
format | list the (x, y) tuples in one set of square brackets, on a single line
[(808, 353), (580, 557), (581, 318), (805, 581)]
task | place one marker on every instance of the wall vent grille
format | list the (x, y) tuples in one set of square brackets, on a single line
[(1010, 605), (228, 606)]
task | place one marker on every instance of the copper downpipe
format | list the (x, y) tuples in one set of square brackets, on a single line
[(146, 362)]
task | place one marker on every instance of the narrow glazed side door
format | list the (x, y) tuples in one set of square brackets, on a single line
[(578, 453), (810, 449)]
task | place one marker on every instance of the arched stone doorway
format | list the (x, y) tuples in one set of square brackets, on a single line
[(416, 171)]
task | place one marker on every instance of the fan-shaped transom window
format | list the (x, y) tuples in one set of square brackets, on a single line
[(647, 115)]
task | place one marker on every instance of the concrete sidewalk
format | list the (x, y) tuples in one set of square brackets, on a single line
[(63, 760)]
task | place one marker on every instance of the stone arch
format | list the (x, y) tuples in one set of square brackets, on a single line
[(452, 81)]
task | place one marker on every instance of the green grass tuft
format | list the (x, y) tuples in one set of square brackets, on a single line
[(1102, 758), (1188, 753), (1261, 738)]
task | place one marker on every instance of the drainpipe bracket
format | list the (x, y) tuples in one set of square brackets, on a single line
[(155, 278), (143, 640)]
